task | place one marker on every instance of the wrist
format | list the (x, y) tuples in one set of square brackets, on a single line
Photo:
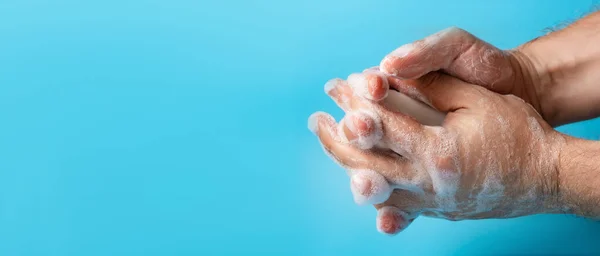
[(547, 165), (579, 177), (561, 72), (532, 81)]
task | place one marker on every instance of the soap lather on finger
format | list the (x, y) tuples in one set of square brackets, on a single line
[(361, 129), (372, 85)]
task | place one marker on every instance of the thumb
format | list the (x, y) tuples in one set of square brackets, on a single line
[(457, 53)]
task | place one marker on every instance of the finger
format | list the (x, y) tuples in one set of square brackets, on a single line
[(361, 129), (353, 158), (368, 82), (344, 95), (340, 92), (371, 84), (456, 52), (369, 187), (407, 191), (401, 133), (433, 53), (400, 209), (391, 220)]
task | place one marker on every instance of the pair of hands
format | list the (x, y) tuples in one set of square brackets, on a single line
[(492, 156)]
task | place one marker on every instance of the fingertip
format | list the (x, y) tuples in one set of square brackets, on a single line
[(338, 90), (361, 129), (391, 220), (378, 87), (313, 122), (387, 65), (359, 84), (372, 85), (369, 187), (331, 85), (362, 189), (317, 120)]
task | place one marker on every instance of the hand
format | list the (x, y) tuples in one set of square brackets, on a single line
[(466, 57), (493, 156)]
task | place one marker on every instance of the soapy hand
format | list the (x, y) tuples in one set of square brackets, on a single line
[(460, 54), (492, 157)]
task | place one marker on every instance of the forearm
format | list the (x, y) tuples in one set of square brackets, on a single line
[(579, 177), (566, 71)]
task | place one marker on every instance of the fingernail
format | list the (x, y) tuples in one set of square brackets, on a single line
[(313, 122), (390, 220)]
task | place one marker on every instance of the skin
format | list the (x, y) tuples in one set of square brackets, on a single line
[(549, 72), (490, 147), (538, 169)]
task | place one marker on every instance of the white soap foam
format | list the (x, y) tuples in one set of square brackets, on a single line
[(313, 121), (359, 82), (360, 85), (331, 84), (380, 188), (365, 141), (488, 197), (379, 191)]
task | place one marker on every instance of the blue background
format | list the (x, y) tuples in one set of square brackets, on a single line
[(178, 127)]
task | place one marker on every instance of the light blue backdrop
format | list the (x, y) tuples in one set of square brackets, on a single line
[(178, 127)]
